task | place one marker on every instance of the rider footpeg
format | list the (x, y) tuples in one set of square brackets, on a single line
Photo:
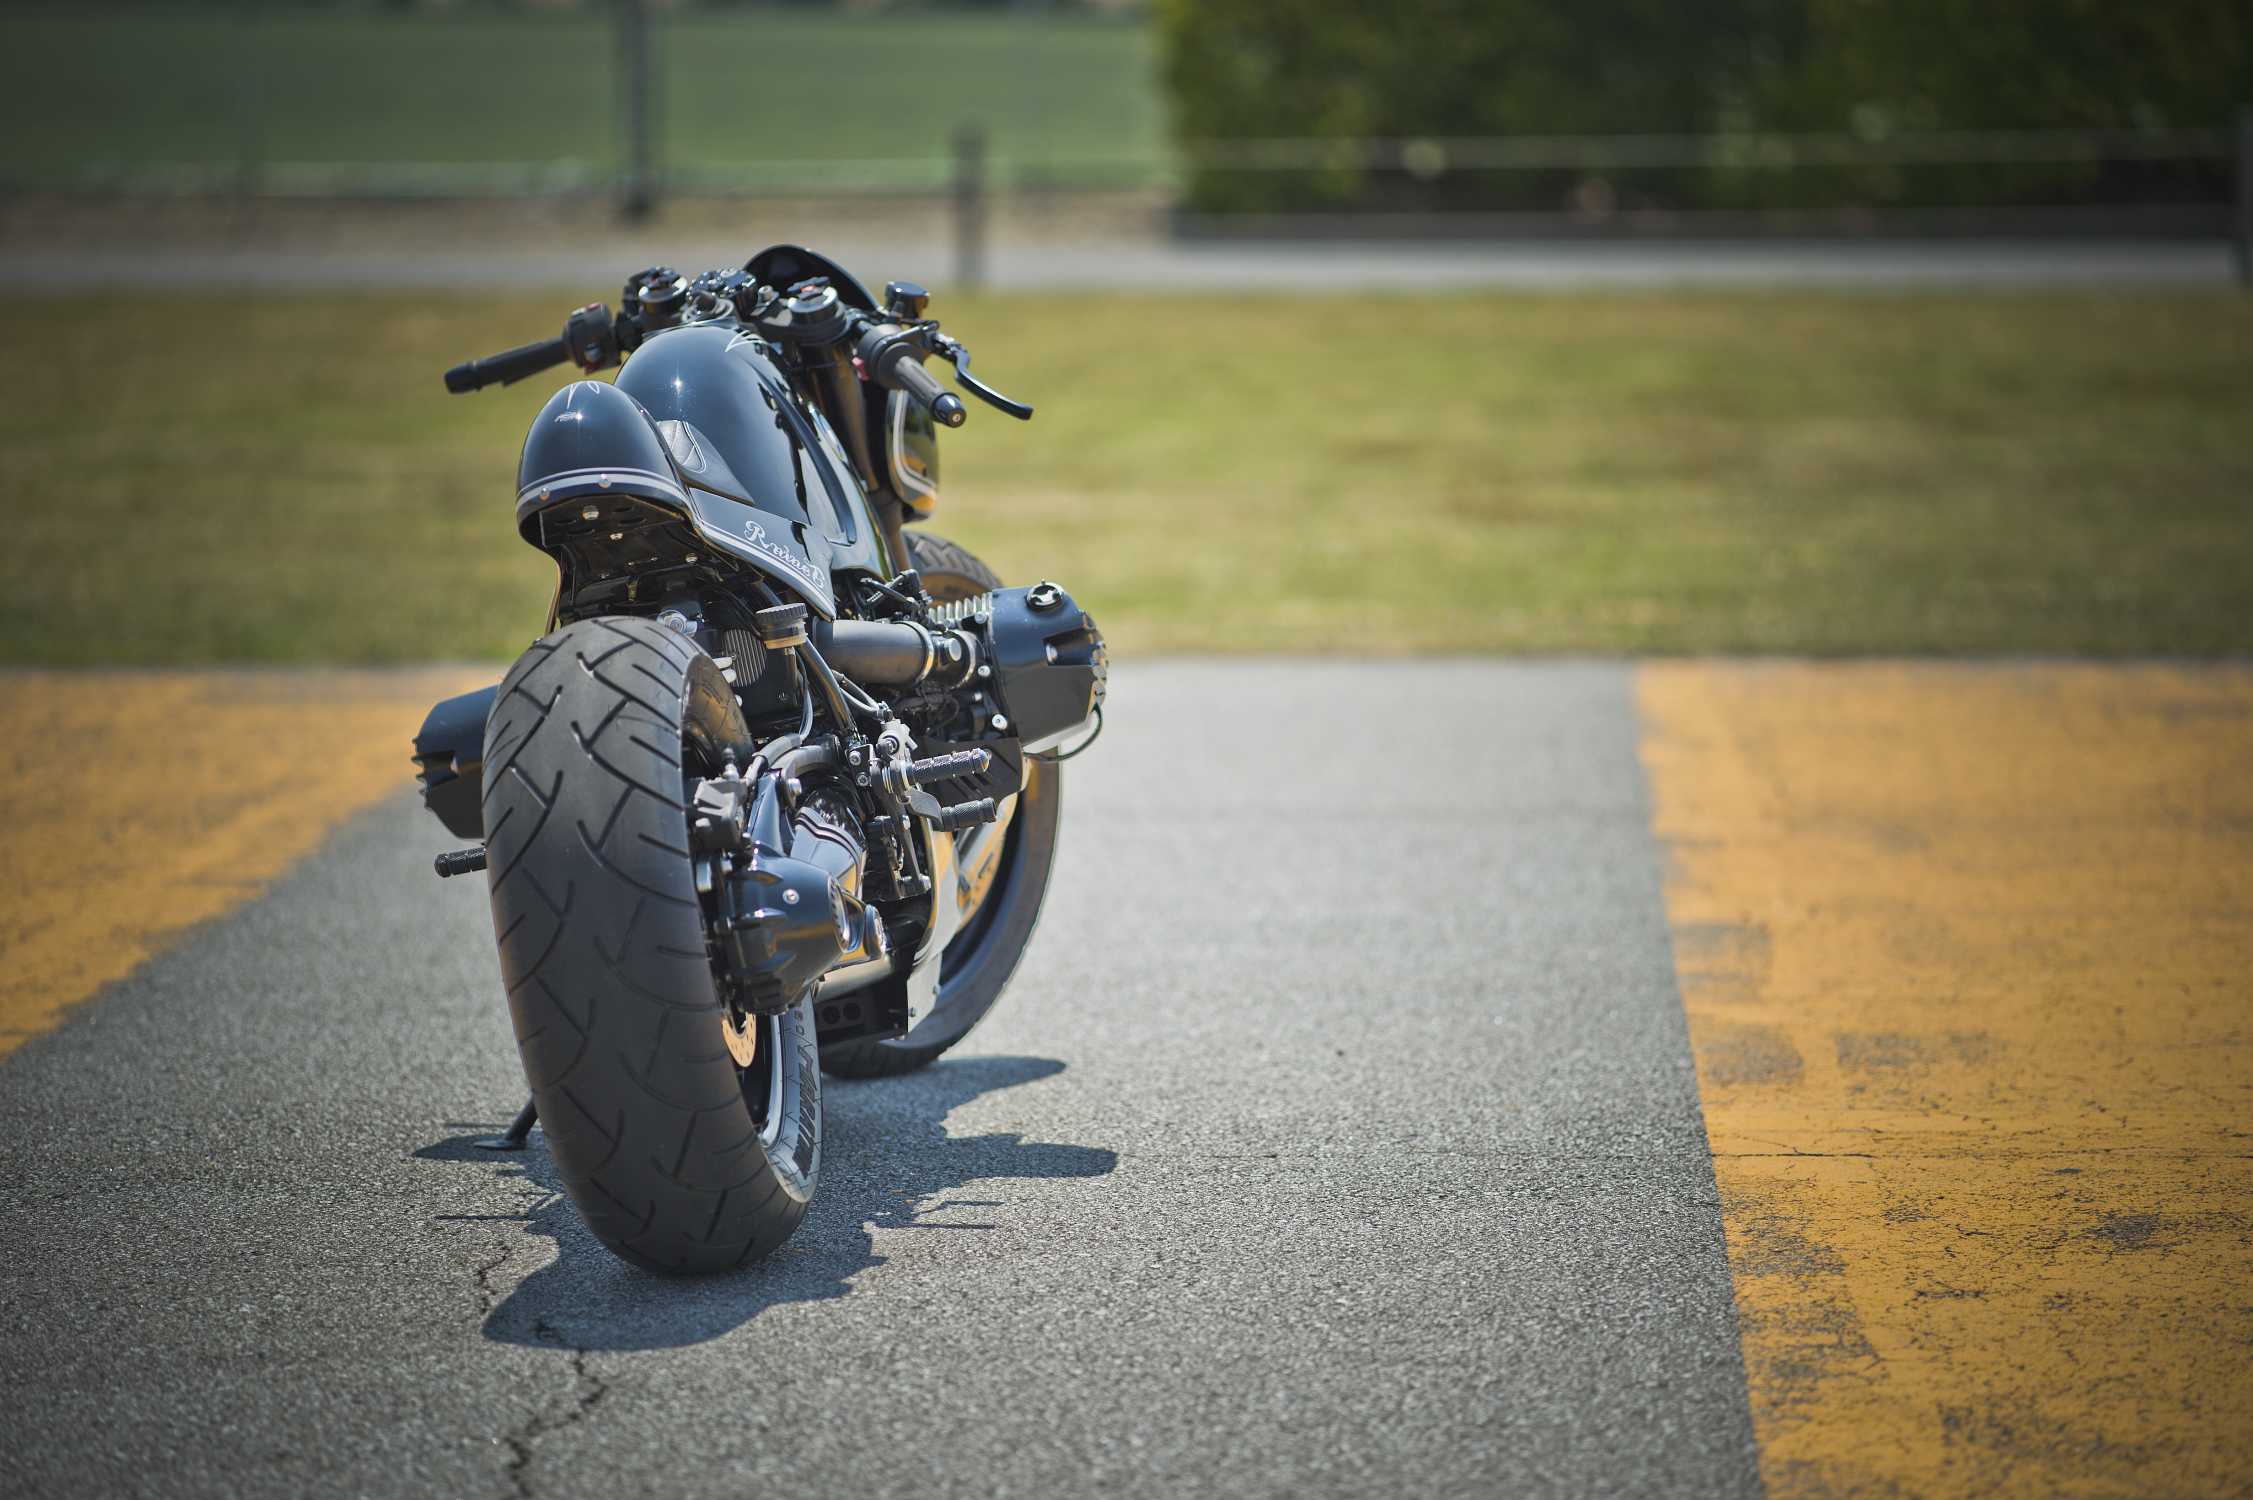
[(904, 781), (947, 767), (460, 861), (960, 816)]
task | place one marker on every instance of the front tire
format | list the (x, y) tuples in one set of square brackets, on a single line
[(680, 1159)]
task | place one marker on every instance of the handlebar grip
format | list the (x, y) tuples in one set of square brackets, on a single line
[(508, 367), (924, 386)]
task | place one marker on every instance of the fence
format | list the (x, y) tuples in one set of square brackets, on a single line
[(1428, 159), (969, 177), (606, 140)]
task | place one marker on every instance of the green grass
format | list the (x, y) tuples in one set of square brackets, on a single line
[(170, 85), (193, 482)]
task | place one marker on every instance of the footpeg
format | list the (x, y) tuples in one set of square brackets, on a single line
[(946, 767), (958, 817), (904, 780), (460, 862)]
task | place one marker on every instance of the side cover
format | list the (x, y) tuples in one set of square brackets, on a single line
[(450, 751)]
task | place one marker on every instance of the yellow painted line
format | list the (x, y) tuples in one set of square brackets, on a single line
[(136, 804), (1967, 954)]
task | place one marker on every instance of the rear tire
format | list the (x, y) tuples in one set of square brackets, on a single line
[(679, 1160), (981, 957)]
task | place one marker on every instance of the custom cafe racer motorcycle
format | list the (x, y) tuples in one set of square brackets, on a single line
[(777, 792)]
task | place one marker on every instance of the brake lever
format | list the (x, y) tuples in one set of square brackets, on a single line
[(979, 388)]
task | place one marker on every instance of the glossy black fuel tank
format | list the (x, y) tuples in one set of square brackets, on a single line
[(760, 465)]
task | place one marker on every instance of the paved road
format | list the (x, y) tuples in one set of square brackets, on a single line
[(1138, 264), (1965, 950), (1340, 1135)]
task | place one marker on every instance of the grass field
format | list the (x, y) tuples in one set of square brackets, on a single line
[(142, 87), (192, 482)]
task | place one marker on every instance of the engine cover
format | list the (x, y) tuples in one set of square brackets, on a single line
[(789, 908), (1049, 663)]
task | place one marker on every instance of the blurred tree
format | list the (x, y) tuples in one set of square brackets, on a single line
[(2014, 65), (1264, 69), (1252, 69)]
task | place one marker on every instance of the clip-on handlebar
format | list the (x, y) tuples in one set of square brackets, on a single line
[(887, 350)]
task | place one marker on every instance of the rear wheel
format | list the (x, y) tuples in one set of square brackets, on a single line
[(1004, 869), (688, 1136)]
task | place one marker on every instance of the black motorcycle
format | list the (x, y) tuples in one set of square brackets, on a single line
[(777, 792)]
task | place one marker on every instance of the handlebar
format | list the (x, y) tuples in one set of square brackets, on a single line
[(589, 340), (508, 367), (946, 407), (888, 352), (889, 347)]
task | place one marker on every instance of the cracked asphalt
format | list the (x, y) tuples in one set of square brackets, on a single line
[(1339, 1133)]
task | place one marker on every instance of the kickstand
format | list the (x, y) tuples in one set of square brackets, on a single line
[(519, 1130)]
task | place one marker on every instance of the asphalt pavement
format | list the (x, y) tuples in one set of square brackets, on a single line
[(1339, 1136)]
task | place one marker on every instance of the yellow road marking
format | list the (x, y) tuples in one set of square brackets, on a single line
[(1967, 954), (135, 804)]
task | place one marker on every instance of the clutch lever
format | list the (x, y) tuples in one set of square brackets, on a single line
[(979, 388)]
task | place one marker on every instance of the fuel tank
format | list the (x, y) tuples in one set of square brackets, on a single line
[(702, 424)]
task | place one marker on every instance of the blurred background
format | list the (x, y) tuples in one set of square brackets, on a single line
[(1738, 325)]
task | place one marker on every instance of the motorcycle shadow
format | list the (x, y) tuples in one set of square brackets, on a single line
[(887, 1163)]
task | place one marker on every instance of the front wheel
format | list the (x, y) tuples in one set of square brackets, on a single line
[(688, 1136), (1003, 870)]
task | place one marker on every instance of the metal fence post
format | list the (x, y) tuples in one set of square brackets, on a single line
[(638, 195), (2245, 197), (250, 110), (970, 205)]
